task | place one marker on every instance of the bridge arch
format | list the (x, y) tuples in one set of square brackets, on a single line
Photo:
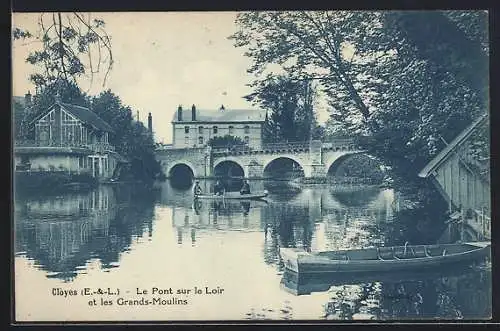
[(181, 163), (334, 161), (365, 167), (240, 169), (292, 158)]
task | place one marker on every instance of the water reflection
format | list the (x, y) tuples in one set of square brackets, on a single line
[(61, 233), (441, 294)]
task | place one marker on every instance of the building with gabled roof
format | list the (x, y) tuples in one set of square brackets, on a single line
[(68, 138), (195, 127), (462, 176)]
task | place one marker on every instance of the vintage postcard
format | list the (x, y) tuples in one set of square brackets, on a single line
[(243, 166)]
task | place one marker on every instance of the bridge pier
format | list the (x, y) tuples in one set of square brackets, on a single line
[(254, 169)]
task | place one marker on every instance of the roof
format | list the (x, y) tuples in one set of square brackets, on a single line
[(88, 116), (82, 113), (226, 115), (438, 159)]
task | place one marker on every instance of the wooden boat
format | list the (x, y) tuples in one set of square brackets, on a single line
[(382, 258), (233, 196)]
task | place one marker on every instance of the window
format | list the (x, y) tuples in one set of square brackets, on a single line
[(200, 130), (70, 128), (200, 140), (247, 140), (231, 130), (247, 129), (80, 162), (215, 130), (186, 140), (186, 129)]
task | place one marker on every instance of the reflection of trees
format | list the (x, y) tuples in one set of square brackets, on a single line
[(356, 198), (441, 297), (292, 224), (419, 225), (458, 295), (286, 226), (62, 235)]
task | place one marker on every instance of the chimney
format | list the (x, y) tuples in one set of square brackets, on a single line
[(58, 96), (193, 113), (150, 123), (27, 99), (179, 113)]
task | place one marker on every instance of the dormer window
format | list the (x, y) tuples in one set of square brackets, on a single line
[(215, 129), (231, 130), (247, 129), (186, 129), (200, 130)]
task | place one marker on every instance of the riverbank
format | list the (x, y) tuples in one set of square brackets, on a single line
[(33, 181)]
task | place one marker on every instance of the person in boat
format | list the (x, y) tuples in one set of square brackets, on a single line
[(245, 189), (197, 188), (219, 188)]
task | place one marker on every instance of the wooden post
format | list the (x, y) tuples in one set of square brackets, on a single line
[(482, 221)]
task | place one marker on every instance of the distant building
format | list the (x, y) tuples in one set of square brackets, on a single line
[(68, 138), (194, 127), (463, 178)]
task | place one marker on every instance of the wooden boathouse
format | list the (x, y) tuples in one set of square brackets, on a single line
[(461, 172)]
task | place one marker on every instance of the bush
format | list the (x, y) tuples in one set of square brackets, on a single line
[(226, 141)]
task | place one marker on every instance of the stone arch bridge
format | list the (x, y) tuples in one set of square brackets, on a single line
[(315, 158)]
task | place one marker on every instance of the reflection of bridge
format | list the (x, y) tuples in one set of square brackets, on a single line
[(315, 158)]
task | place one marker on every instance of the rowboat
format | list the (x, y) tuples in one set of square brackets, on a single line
[(233, 196), (382, 258)]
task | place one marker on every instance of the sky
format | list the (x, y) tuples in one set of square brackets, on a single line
[(162, 60)]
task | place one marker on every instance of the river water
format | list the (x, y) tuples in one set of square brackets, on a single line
[(132, 240)]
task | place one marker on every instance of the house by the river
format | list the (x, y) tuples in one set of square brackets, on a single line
[(461, 172), (68, 139), (195, 127)]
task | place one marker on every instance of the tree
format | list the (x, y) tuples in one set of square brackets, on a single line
[(110, 108), (71, 45), (290, 103), (397, 77), (131, 138), (226, 141), (312, 45)]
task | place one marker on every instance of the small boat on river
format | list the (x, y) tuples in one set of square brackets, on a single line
[(382, 259), (233, 196)]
